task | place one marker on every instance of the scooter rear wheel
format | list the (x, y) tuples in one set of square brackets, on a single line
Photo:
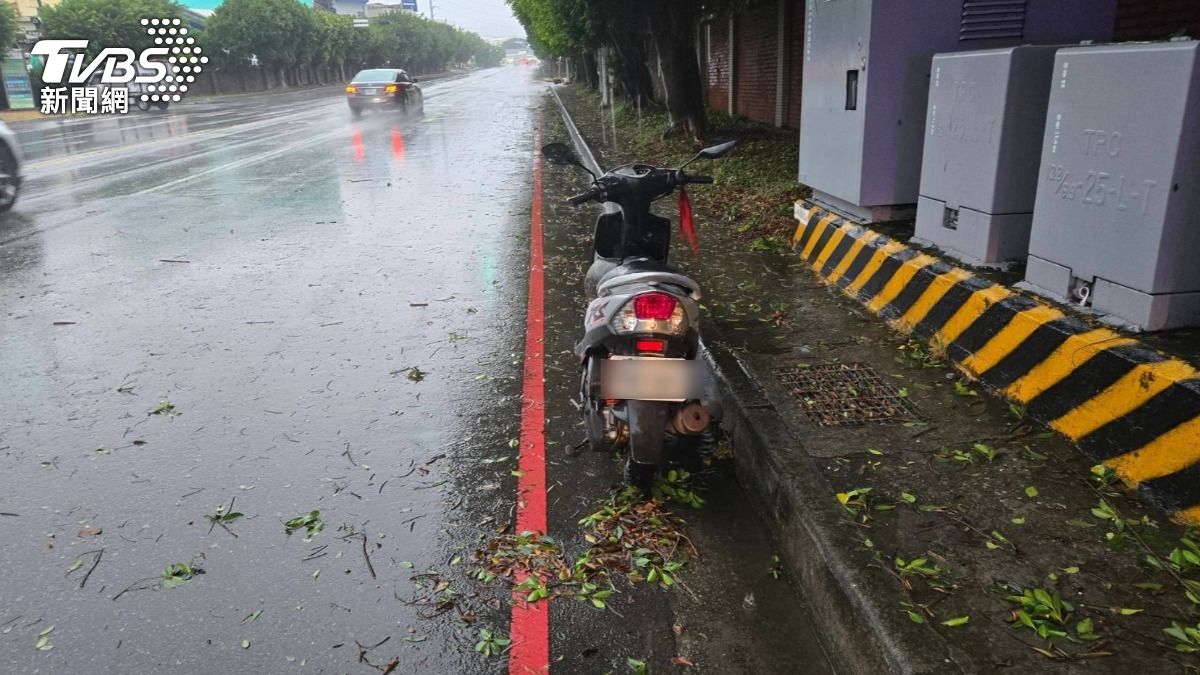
[(640, 476)]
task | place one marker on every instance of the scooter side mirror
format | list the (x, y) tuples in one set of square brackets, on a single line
[(715, 151), (560, 153)]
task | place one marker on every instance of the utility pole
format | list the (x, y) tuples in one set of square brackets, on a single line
[(431, 8)]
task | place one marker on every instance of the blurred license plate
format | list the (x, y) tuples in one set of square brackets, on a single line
[(650, 379), (370, 92)]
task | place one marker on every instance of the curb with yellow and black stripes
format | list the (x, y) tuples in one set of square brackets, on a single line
[(1125, 405)]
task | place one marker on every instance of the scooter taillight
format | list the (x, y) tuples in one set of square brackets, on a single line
[(656, 306)]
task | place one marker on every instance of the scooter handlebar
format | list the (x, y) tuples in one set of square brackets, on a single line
[(699, 179), (585, 197)]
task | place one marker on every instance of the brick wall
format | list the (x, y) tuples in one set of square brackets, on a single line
[(717, 56), (795, 65), (757, 43), (755, 39), (1157, 19), (755, 63)]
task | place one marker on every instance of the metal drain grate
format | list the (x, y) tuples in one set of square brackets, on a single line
[(844, 394)]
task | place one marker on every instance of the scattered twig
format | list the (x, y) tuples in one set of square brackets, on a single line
[(95, 562), (133, 587), (316, 552), (362, 656), (366, 555), (923, 431), (347, 455)]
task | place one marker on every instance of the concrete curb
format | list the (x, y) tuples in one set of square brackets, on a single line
[(1133, 409), (855, 605)]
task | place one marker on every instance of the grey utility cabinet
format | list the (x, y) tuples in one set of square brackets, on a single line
[(983, 142), (866, 82), (1117, 220)]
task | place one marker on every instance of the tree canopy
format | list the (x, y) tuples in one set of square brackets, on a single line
[(8, 25), (105, 23), (281, 34), (284, 33), (645, 37)]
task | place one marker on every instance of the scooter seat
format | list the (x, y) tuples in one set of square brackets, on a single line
[(644, 271)]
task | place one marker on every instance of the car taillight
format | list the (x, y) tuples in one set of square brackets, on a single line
[(351, 89), (390, 89), (657, 306)]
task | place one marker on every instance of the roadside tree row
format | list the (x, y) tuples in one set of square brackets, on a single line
[(651, 46), (284, 36)]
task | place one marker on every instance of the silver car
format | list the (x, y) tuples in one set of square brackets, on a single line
[(10, 167)]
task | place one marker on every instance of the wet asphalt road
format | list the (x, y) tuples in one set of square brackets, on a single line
[(334, 312)]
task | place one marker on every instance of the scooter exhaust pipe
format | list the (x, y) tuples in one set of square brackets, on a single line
[(691, 420)]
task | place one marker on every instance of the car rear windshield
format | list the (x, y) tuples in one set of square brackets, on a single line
[(377, 75)]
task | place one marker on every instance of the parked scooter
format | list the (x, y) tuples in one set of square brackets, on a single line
[(642, 380)]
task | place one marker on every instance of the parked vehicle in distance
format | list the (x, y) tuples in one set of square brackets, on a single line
[(10, 167), (136, 89), (384, 88)]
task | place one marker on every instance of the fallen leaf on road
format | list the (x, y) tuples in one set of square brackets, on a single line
[(90, 531), (681, 661), (163, 408)]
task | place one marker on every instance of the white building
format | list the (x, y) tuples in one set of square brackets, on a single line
[(353, 8)]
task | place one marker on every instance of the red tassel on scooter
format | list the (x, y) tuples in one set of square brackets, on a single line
[(686, 226)]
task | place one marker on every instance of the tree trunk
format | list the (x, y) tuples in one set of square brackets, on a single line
[(628, 59), (674, 25), (591, 73)]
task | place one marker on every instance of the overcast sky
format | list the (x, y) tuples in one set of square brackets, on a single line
[(489, 18)]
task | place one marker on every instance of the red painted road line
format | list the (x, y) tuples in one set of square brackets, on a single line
[(530, 653)]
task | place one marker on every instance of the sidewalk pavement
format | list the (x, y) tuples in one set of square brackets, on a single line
[(925, 519)]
